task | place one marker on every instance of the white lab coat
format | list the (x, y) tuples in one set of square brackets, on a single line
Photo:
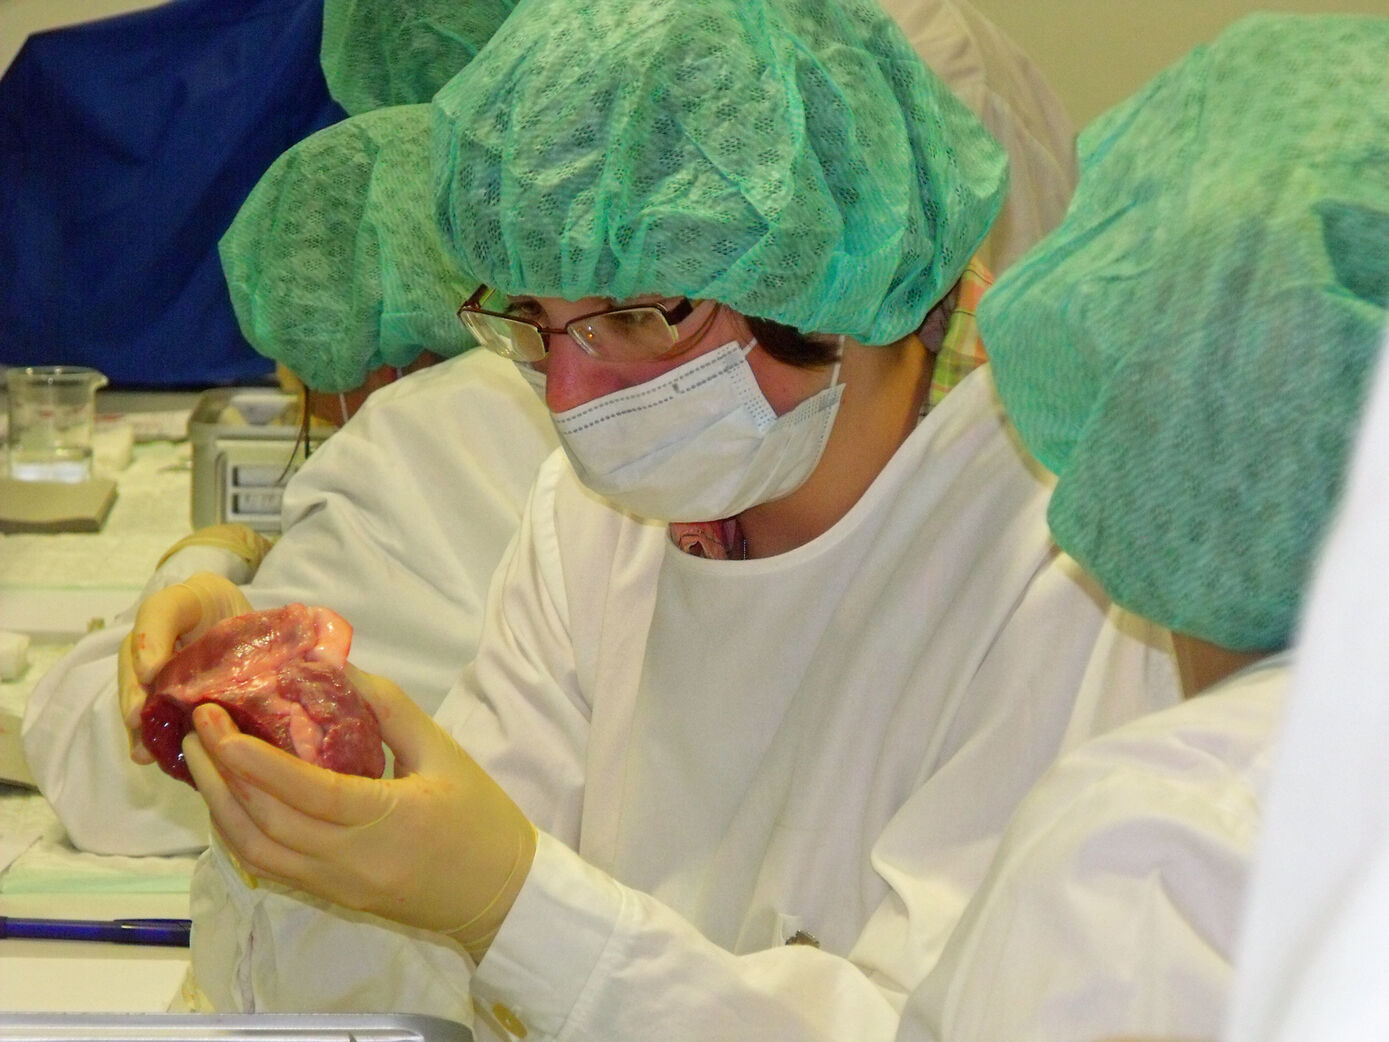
[(396, 523), (1113, 904), (721, 754), (1312, 956)]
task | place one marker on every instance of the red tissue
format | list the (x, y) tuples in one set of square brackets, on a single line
[(278, 674)]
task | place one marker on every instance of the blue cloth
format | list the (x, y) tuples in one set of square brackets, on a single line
[(126, 147)]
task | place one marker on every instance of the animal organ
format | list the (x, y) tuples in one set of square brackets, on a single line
[(278, 674)]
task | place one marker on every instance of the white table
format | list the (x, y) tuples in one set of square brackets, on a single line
[(54, 585), (54, 588)]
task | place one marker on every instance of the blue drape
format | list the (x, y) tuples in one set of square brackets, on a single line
[(126, 147)]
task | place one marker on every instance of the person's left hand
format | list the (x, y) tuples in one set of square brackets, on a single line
[(165, 621), (440, 846)]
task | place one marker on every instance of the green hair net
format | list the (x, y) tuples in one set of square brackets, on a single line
[(377, 53), (1190, 349), (334, 263), (793, 159)]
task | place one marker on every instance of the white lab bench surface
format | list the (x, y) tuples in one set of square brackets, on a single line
[(55, 587)]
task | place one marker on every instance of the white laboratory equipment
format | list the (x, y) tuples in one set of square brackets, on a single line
[(246, 444)]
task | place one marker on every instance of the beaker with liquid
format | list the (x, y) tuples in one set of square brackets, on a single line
[(52, 409)]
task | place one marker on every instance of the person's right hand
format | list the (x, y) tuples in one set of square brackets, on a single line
[(164, 622)]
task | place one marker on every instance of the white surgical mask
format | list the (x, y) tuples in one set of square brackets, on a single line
[(699, 443), (532, 376)]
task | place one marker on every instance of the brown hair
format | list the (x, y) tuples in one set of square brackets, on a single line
[(791, 346)]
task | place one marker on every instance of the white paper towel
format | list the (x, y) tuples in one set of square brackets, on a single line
[(14, 654)]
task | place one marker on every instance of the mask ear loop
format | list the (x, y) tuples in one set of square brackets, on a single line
[(342, 405), (301, 436), (838, 361)]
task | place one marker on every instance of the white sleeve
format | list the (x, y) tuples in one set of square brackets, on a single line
[(77, 750), (581, 956), (1111, 907), (187, 560)]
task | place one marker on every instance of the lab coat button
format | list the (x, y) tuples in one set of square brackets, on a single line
[(509, 1020)]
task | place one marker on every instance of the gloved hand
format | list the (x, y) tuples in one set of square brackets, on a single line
[(165, 621), (232, 550), (440, 846)]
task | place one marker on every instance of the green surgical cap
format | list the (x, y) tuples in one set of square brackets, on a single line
[(1190, 349), (793, 159), (378, 53), (334, 262)]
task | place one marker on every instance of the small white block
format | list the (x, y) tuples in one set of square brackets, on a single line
[(14, 654)]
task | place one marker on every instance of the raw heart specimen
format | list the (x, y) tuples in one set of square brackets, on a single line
[(278, 674)]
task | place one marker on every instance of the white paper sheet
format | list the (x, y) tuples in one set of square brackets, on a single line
[(89, 984)]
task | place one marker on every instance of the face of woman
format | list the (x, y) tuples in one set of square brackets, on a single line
[(573, 377)]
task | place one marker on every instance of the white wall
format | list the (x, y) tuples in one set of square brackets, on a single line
[(1095, 53)]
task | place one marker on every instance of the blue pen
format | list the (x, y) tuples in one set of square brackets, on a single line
[(170, 932)]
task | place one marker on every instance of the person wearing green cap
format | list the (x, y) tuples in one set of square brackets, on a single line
[(782, 637), (1190, 353)]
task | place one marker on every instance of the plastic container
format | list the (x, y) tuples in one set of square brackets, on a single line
[(246, 444)]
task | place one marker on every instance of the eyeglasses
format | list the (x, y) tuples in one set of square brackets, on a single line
[(637, 333)]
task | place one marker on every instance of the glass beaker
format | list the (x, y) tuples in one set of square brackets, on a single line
[(52, 410)]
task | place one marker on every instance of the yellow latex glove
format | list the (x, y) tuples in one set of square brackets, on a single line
[(233, 550), (440, 846), (165, 621), (242, 540)]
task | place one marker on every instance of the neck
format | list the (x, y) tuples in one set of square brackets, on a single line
[(1201, 664), (884, 388)]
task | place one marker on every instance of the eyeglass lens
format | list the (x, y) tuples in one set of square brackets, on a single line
[(631, 334), (627, 335), (510, 338)]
